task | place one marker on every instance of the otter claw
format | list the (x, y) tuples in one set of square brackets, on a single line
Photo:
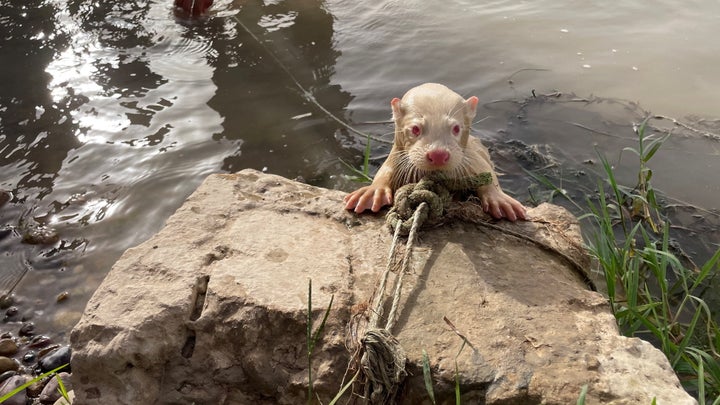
[(368, 198), (500, 205)]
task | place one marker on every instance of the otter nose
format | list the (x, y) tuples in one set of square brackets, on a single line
[(438, 157)]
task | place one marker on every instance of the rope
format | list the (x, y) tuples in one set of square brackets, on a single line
[(420, 212), (383, 359), (435, 190)]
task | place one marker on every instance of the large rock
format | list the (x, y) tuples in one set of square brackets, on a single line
[(212, 310)]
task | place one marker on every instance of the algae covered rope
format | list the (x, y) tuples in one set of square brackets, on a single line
[(435, 190), (383, 359)]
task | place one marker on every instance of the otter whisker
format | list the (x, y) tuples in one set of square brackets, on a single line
[(455, 110)]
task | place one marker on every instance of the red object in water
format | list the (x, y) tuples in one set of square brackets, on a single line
[(194, 7)]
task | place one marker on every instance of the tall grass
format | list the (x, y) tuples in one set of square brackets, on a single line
[(361, 175), (653, 294)]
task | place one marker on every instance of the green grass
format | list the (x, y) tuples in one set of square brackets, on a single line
[(583, 393), (61, 387), (427, 376), (653, 294), (361, 175)]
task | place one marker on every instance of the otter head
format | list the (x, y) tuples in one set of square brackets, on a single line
[(432, 125)]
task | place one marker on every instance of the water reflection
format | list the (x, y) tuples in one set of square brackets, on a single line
[(134, 108), (300, 35), (106, 147)]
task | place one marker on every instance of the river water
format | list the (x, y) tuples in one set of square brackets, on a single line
[(112, 113)]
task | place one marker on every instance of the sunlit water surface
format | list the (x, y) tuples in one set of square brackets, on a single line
[(112, 113)]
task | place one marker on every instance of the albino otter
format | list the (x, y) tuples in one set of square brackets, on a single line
[(432, 128)]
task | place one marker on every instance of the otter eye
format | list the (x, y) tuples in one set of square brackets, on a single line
[(415, 130), (456, 129)]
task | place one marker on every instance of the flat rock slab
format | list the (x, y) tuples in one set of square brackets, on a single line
[(213, 309)]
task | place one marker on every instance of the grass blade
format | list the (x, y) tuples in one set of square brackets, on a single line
[(320, 328), (583, 393), (344, 388), (61, 388), (428, 376), (31, 382)]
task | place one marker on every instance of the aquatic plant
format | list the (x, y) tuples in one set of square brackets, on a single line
[(654, 294)]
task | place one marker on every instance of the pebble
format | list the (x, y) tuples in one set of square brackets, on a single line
[(50, 393), (8, 347), (10, 312), (35, 353), (56, 359), (62, 296), (62, 401), (6, 301), (5, 196), (36, 388), (10, 384), (39, 341), (29, 357), (27, 329), (4, 376), (41, 235), (44, 352), (8, 364)]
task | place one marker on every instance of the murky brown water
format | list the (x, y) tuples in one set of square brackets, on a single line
[(111, 113)]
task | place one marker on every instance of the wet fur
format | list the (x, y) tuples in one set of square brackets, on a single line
[(435, 109), (406, 172), (420, 105)]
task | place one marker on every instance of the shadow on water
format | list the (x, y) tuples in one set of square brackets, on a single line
[(117, 111), (305, 137)]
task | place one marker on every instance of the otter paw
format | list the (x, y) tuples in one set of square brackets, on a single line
[(368, 197), (500, 205)]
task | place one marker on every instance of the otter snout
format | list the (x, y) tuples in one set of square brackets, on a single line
[(438, 157)]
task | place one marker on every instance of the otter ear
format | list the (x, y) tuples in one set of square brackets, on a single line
[(471, 106), (397, 108)]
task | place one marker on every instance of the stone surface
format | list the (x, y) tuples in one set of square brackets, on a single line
[(55, 359), (62, 401), (11, 384), (7, 364), (213, 308), (8, 347), (51, 392)]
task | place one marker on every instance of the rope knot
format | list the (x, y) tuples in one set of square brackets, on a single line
[(435, 190), (383, 364)]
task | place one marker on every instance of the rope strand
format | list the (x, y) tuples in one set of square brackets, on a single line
[(383, 359), (420, 212)]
